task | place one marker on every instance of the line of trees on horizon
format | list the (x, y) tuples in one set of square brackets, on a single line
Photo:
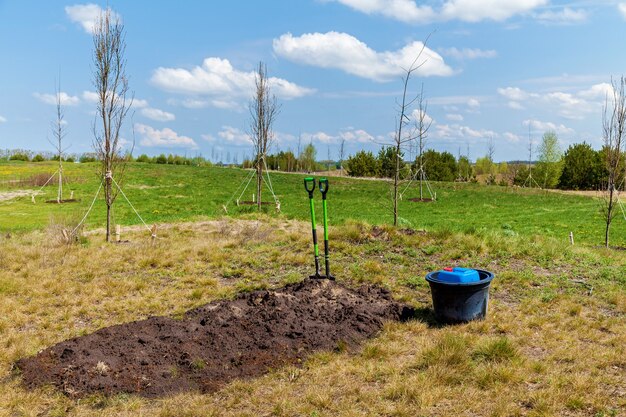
[(580, 167)]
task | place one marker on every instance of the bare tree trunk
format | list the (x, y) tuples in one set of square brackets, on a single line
[(396, 181), (59, 133), (60, 191), (421, 179), (609, 217), (614, 127), (109, 205), (263, 111), (259, 182), (109, 78)]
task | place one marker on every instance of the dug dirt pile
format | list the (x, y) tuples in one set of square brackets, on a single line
[(216, 343)]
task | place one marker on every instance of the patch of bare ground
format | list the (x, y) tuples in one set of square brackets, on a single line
[(215, 343), (10, 195)]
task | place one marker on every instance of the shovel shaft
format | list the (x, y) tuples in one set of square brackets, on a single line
[(314, 231), (323, 184), (314, 227), (326, 250)]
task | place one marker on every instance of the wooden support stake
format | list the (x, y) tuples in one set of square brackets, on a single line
[(154, 231), (571, 238), (118, 232)]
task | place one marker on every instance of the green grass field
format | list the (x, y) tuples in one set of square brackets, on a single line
[(167, 193)]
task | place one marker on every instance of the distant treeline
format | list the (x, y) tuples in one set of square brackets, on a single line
[(30, 156), (579, 168)]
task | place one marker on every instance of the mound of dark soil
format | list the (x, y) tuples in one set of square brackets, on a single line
[(216, 343), (421, 200)]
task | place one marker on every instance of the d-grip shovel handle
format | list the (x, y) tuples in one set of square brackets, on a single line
[(307, 181), (324, 187)]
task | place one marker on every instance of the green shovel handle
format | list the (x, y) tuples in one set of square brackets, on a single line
[(309, 181), (324, 187)]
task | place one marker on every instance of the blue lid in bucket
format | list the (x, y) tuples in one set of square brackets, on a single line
[(458, 275)]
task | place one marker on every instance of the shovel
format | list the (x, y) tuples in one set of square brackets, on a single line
[(324, 189), (309, 185)]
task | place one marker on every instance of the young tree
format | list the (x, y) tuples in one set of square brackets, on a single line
[(422, 125), (492, 167), (613, 128), (307, 159), (403, 136), (111, 83), (549, 165), (465, 168), (341, 155), (263, 112), (298, 153), (59, 132)]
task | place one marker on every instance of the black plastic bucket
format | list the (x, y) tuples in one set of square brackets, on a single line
[(460, 302)]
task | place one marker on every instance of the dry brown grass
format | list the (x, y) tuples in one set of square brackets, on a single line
[(548, 346)]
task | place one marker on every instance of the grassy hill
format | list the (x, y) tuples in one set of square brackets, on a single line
[(167, 193)]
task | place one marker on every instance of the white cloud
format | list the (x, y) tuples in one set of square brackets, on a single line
[(87, 15), (473, 105), (455, 117), (165, 138), (468, 53), (599, 92), (139, 103), (347, 53), (190, 103), (349, 134), (230, 136), (513, 93), (356, 135), (157, 114), (464, 10), (217, 78), (622, 9), (403, 10), (90, 96), (562, 17), (511, 137), (540, 126), (65, 99), (3, 119), (571, 105), (456, 131), (93, 97), (321, 137), (477, 10), (415, 115)]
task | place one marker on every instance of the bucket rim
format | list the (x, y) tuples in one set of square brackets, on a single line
[(431, 277)]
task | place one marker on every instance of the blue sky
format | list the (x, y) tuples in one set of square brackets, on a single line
[(494, 69)]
